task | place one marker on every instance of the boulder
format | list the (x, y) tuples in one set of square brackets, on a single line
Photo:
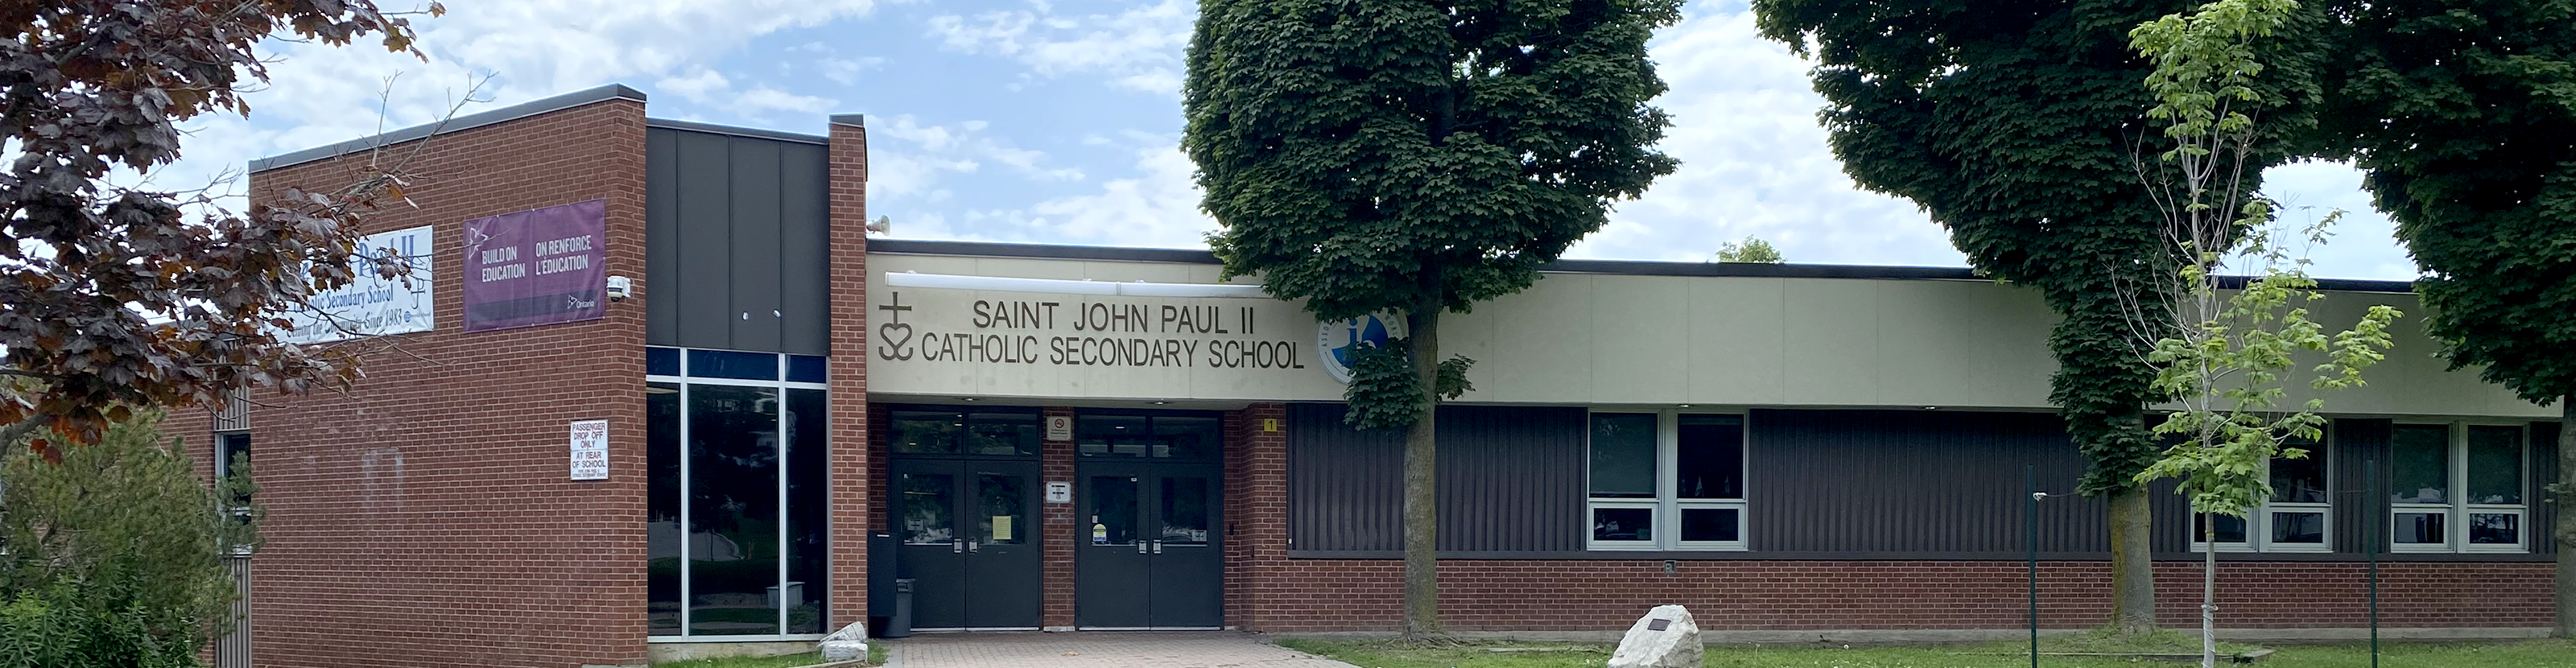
[(1666, 637), (848, 644)]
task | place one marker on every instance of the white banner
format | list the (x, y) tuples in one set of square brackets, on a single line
[(371, 305)]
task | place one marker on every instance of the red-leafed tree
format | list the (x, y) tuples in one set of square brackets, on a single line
[(112, 296)]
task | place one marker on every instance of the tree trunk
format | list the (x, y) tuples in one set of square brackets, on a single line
[(2566, 507), (1421, 477), (2209, 591), (2133, 568)]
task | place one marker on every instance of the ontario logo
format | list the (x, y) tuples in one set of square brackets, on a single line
[(1336, 341)]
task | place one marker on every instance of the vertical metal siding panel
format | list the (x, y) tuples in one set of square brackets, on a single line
[(1345, 485), (2543, 522), (232, 650), (1510, 478), (1912, 481), (756, 266), (703, 169), (805, 275), (661, 238), (2358, 443)]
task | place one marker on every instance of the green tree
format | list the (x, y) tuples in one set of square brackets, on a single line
[(117, 296), (2462, 113), (2018, 127), (2224, 364), (112, 555), (1751, 249), (1371, 156)]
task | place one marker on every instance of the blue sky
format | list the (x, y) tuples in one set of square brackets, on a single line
[(1038, 121)]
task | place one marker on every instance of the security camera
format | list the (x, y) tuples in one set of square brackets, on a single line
[(619, 288)]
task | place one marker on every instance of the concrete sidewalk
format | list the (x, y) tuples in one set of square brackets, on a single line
[(1097, 649)]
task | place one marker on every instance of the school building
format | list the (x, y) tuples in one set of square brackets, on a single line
[(654, 387)]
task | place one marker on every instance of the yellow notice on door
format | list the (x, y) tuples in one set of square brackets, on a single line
[(1002, 528)]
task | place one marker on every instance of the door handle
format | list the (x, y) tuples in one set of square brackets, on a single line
[(970, 547), (957, 546), (1158, 547), (1143, 548)]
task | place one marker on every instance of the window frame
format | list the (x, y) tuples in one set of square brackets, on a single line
[(2456, 513), (2259, 519), (223, 468), (683, 380), (1666, 506)]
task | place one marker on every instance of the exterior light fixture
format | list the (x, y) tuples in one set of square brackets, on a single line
[(1159, 403)]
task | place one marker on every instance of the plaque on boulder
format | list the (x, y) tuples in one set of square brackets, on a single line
[(1666, 637)]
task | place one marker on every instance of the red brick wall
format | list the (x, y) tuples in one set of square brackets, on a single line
[(425, 518), (852, 507), (1594, 595), (1058, 531), (1256, 516)]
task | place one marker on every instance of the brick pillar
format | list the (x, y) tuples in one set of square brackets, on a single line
[(1256, 507), (1059, 533), (851, 475)]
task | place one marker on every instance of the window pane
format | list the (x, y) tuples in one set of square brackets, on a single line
[(661, 361), (2301, 480), (809, 515), (1005, 516), (1186, 437), (1710, 458), (2299, 528), (733, 510), (662, 506), (1711, 524), (1185, 511), (1623, 455), (2420, 529), (1112, 435), (1623, 524), (929, 509), (1002, 433), (2420, 464), (805, 369), (926, 432), (2495, 465), (2230, 529), (732, 364), (1113, 510), (2495, 529)]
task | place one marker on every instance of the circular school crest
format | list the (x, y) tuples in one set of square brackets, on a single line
[(1337, 340)]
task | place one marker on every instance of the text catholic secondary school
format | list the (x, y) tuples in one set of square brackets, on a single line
[(713, 415)]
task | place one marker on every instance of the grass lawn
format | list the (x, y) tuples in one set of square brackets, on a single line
[(876, 657), (1389, 654)]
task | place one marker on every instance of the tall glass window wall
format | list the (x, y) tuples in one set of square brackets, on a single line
[(737, 533)]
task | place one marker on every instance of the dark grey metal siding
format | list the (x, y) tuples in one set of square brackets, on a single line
[(736, 242), (1912, 482), (2359, 445), (1511, 479)]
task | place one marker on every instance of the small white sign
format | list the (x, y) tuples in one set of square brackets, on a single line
[(1059, 428), (590, 450), (1059, 492)]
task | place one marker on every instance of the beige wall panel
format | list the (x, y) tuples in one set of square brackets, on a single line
[(1572, 339)]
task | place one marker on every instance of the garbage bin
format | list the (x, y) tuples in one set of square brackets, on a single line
[(899, 624)]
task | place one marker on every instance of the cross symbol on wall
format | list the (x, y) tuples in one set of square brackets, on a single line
[(894, 308)]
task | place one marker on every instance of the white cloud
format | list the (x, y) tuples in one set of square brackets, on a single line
[(909, 159), (698, 85), (705, 86), (1158, 207), (1138, 48)]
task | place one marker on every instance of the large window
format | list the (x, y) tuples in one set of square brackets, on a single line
[(2457, 488), (735, 477), (1667, 481), (2294, 519)]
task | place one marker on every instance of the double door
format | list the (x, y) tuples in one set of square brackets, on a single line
[(968, 539), (1150, 546)]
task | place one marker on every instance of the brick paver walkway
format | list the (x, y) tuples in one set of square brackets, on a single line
[(1098, 649)]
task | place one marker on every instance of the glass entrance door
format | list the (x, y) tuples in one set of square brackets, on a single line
[(966, 530), (1151, 551)]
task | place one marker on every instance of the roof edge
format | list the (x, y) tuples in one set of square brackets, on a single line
[(469, 121), (1625, 267), (756, 133)]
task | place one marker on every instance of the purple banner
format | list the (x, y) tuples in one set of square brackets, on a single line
[(536, 267)]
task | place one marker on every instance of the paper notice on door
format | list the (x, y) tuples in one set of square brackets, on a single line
[(1002, 528)]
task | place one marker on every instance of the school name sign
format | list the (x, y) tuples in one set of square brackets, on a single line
[(1084, 332)]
